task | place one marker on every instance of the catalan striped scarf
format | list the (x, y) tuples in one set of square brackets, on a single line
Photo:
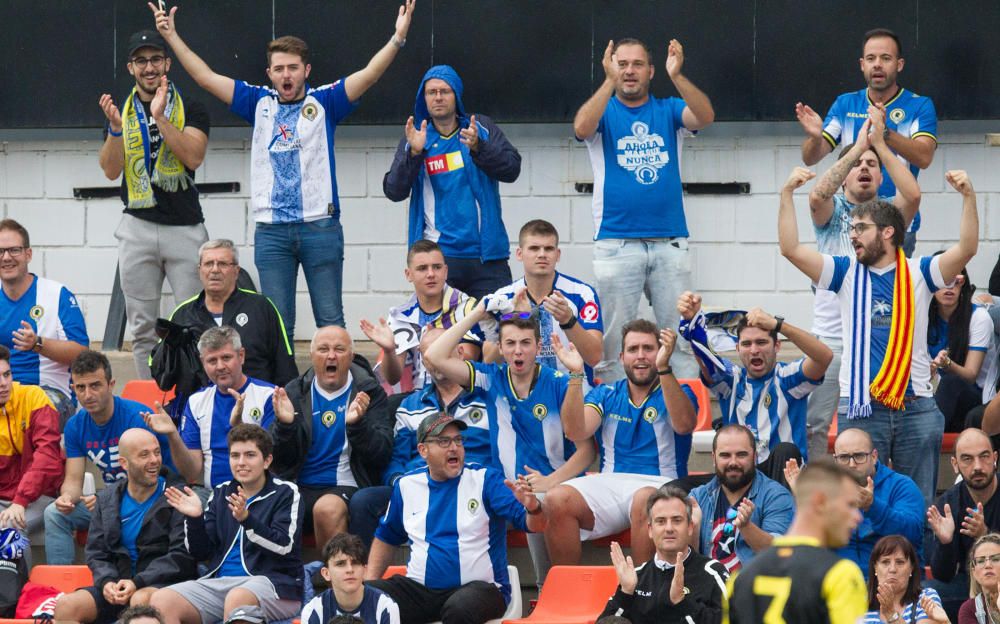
[(889, 385), (168, 171)]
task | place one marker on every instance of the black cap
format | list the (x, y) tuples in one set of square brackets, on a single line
[(145, 39), (435, 423)]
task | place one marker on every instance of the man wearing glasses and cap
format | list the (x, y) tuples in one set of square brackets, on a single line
[(438, 507), (156, 138)]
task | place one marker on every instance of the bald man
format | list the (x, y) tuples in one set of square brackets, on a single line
[(332, 431), (890, 502), (966, 511), (136, 539)]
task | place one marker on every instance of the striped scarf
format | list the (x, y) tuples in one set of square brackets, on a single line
[(889, 385), (168, 171)]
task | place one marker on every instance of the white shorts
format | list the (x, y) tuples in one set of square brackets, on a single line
[(609, 496)]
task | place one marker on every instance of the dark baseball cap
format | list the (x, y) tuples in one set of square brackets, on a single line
[(435, 423), (145, 39)]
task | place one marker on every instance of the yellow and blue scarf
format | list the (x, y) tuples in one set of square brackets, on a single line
[(168, 171)]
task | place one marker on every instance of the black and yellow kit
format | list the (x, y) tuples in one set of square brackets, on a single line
[(796, 581)]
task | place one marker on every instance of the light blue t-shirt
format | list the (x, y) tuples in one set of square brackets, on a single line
[(132, 513)]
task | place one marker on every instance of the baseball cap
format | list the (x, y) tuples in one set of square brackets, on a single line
[(247, 613), (145, 39), (435, 423)]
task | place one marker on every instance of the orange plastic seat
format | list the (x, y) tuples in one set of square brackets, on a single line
[(146, 391), (393, 570), (704, 403), (65, 578), (572, 595)]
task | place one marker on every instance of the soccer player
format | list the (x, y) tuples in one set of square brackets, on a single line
[(799, 579)]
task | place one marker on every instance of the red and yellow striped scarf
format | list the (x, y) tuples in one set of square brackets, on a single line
[(889, 386)]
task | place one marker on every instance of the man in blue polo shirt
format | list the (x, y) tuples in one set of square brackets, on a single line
[(455, 517), (639, 225), (643, 427), (292, 169), (450, 165), (92, 433), (200, 450), (910, 126), (40, 321)]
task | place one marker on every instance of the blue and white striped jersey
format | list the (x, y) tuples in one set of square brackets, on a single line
[(293, 175), (469, 407), (328, 461), (53, 312), (583, 301), (206, 424), (528, 431), (457, 528), (639, 439), (376, 608)]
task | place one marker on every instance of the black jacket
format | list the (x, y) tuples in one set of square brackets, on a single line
[(163, 559), (948, 559), (370, 437), (272, 534), (650, 602), (269, 352)]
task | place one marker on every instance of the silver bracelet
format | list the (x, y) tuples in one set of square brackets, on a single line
[(396, 41)]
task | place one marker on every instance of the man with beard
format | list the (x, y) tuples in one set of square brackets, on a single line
[(890, 503), (741, 510), (858, 174), (680, 585), (766, 396), (293, 177), (965, 512), (136, 539), (454, 515), (884, 299), (640, 230), (157, 138), (643, 426), (909, 130), (799, 579), (433, 302)]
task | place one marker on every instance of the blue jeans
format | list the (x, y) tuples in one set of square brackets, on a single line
[(476, 278), (625, 269), (60, 549), (823, 402), (367, 506), (318, 246), (910, 439)]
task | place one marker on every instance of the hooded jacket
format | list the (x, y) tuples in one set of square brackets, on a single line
[(495, 160), (370, 438), (31, 461), (163, 559)]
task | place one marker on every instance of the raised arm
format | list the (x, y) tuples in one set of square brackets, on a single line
[(954, 259), (440, 353), (189, 144), (218, 85), (818, 355), (360, 81), (699, 112), (821, 196), (807, 260), (907, 190), (683, 416), (815, 146), (589, 116)]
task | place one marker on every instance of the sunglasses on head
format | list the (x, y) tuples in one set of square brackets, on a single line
[(516, 315)]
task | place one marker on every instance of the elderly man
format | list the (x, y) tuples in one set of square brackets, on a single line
[(200, 450), (332, 431), (136, 539), (269, 352)]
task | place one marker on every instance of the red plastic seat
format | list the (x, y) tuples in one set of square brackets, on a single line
[(704, 403), (393, 570), (65, 578), (572, 595), (146, 391)]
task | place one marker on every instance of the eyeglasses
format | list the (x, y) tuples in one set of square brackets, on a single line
[(436, 92), (445, 442), (516, 315), (142, 61), (860, 227), (212, 264), (858, 458), (15, 252), (994, 560)]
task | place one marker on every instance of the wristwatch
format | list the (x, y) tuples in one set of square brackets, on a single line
[(895, 617), (777, 326), (885, 134), (37, 348)]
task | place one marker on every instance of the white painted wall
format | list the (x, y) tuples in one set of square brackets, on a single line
[(734, 237)]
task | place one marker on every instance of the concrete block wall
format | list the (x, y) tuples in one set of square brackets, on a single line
[(734, 238)]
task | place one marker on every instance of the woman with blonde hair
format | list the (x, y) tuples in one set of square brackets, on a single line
[(984, 575)]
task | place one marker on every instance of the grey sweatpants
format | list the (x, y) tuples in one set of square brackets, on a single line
[(147, 253)]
